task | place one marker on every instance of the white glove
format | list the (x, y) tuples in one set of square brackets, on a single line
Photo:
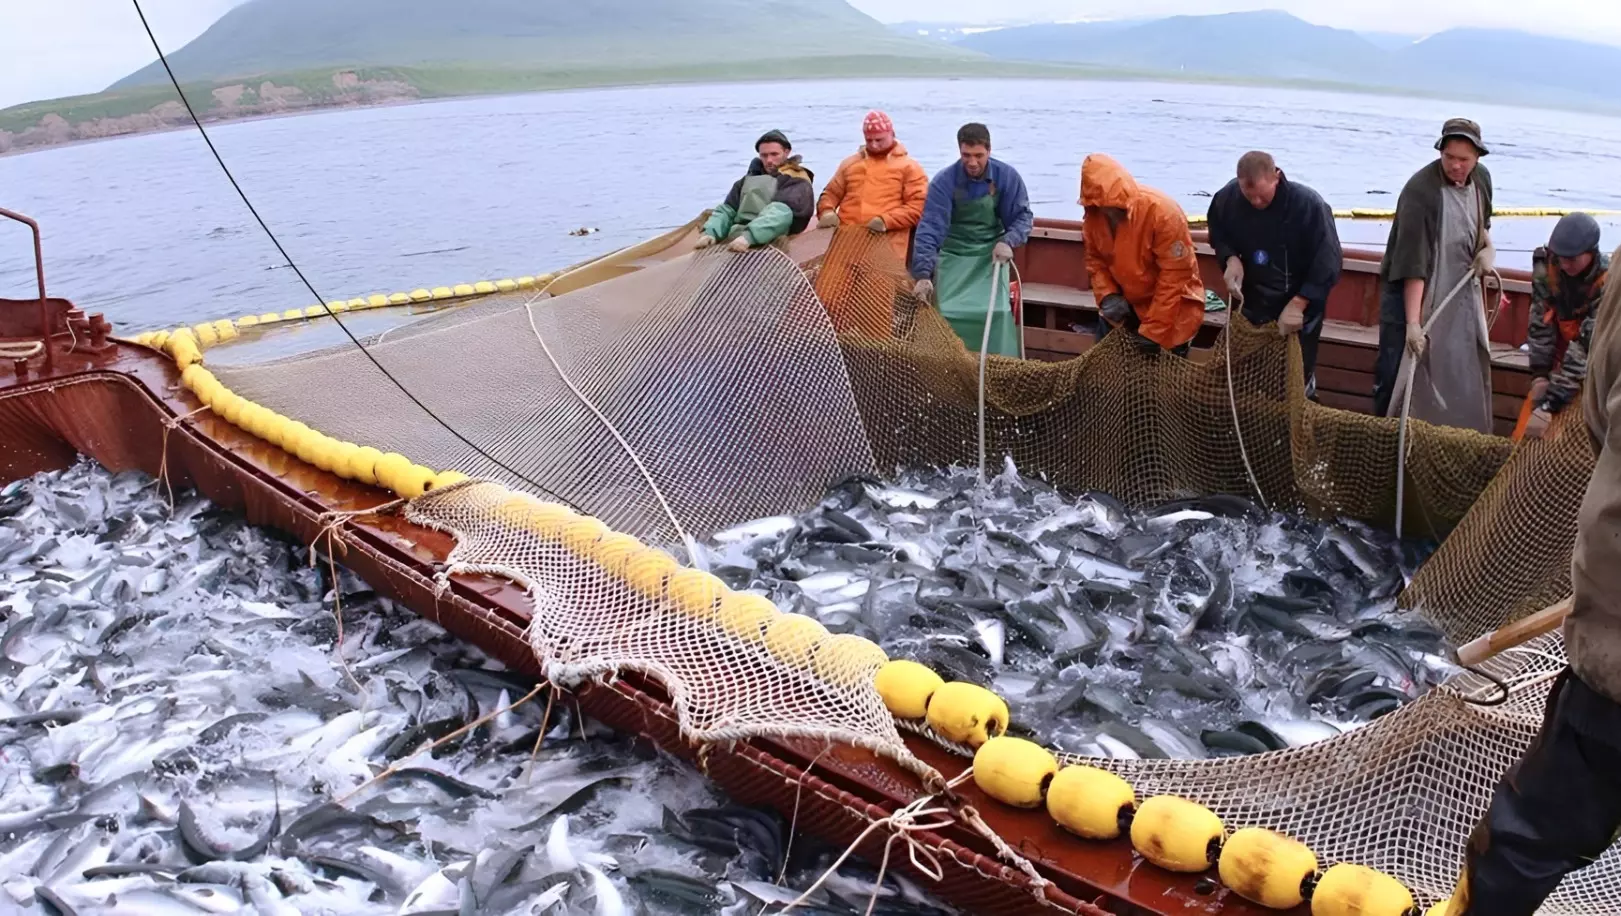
[(1416, 341), (704, 241), (1002, 253), (828, 220), (1292, 319), (1234, 275), (740, 244), (877, 225), (1486, 259), (924, 290)]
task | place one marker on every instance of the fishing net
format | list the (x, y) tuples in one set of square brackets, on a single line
[(703, 392)]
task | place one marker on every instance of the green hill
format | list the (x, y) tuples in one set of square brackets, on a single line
[(276, 36), (278, 56)]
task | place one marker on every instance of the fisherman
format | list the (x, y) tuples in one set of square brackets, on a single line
[(1279, 250), (771, 202), (1559, 807), (879, 188), (1567, 282), (1140, 257), (1439, 242), (977, 211)]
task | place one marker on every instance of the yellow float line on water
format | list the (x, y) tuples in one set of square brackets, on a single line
[(1173, 833), (209, 333), (1376, 213)]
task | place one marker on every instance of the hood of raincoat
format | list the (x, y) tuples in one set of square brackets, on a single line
[(1106, 183), (794, 167)]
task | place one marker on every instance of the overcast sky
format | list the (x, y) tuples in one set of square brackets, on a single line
[(52, 48)]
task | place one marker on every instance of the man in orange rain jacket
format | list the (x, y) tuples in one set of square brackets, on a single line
[(880, 187), (879, 190), (1140, 257)]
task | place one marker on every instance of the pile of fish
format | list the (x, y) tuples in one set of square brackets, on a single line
[(1203, 627), (182, 730)]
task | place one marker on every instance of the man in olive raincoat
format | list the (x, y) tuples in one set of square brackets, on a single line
[(977, 211), (773, 201)]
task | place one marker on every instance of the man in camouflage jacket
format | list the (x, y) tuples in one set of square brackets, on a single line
[(1566, 286)]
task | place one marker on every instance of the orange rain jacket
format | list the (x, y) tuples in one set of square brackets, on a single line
[(1150, 261), (892, 186)]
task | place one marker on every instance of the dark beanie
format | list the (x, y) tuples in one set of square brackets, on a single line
[(773, 136)]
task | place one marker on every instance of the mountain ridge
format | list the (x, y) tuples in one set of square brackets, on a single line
[(1512, 66)]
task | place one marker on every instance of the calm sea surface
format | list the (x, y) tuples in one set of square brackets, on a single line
[(148, 230)]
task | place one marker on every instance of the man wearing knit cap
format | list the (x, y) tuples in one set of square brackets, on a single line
[(772, 201), (1567, 284), (878, 190), (880, 187)]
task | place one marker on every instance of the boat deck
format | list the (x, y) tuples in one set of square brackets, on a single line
[(126, 409)]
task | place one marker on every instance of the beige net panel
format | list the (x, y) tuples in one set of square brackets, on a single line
[(747, 386), (721, 373), (727, 678), (1512, 558)]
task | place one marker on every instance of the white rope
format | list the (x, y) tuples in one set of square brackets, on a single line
[(25, 350), (1407, 401), (985, 345), (1232, 401), (905, 823), (693, 553)]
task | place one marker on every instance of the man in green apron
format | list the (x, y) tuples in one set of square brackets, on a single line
[(773, 201), (977, 211)]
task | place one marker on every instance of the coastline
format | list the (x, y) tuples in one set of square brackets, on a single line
[(405, 86)]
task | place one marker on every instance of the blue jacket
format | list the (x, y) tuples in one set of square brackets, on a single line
[(952, 185)]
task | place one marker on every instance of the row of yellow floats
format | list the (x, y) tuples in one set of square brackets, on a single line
[(1385, 213), (209, 333), (1176, 834)]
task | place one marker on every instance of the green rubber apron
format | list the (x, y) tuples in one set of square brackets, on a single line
[(963, 278)]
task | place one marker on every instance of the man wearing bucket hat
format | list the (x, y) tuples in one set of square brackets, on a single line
[(771, 201), (1439, 248), (1567, 282)]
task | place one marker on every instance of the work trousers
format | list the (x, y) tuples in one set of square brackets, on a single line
[(1555, 811), (1311, 331)]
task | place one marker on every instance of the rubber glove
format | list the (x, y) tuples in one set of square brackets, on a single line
[(1002, 253), (877, 225), (1486, 259), (1234, 275), (740, 244), (1293, 317), (1115, 308), (704, 241), (828, 220), (1416, 341), (1537, 426), (1539, 390), (924, 290)]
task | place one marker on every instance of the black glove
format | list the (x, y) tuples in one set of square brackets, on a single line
[(1115, 308), (1143, 343)]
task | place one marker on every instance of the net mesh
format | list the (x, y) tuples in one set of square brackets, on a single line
[(747, 385)]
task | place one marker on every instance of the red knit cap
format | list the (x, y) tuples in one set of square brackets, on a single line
[(877, 123)]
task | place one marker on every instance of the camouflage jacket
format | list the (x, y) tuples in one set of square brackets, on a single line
[(1562, 312)]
